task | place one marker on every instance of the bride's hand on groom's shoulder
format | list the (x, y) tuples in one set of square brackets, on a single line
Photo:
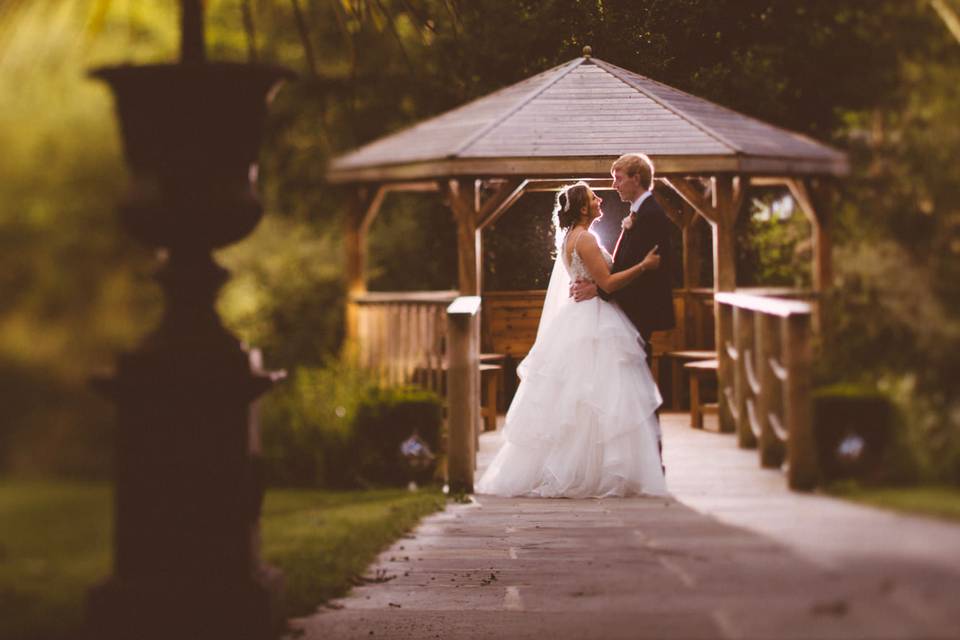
[(581, 290)]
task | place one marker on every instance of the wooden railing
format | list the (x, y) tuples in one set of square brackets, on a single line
[(402, 336), (430, 338), (764, 373)]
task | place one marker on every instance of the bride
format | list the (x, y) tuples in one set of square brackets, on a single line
[(582, 422)]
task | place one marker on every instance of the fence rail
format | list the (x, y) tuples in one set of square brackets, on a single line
[(402, 336), (764, 373)]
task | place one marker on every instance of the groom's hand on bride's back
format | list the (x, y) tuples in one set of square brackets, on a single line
[(581, 290)]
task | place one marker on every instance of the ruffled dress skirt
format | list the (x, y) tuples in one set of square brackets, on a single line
[(582, 422)]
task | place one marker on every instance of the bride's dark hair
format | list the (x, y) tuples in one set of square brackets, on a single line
[(570, 201)]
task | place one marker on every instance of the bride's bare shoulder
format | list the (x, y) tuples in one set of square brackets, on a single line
[(587, 241)]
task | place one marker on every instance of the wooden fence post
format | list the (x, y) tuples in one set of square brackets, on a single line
[(801, 451), (463, 400)]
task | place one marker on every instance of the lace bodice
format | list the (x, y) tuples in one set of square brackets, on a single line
[(577, 270)]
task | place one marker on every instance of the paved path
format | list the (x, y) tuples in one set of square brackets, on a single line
[(732, 555)]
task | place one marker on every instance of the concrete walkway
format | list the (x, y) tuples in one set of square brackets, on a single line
[(733, 555)]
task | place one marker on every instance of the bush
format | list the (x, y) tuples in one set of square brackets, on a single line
[(306, 426), (859, 436), (384, 419), (333, 427), (888, 329)]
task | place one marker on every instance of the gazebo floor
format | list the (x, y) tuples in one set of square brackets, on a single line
[(733, 555)]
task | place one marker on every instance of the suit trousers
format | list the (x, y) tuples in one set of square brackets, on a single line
[(648, 347)]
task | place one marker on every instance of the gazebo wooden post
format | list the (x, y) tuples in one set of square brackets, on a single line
[(461, 198), (463, 353), (354, 250), (691, 271), (721, 209), (363, 206), (472, 212), (727, 197)]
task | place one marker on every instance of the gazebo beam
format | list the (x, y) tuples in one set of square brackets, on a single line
[(820, 222), (692, 192), (720, 207), (552, 184), (372, 210), (677, 209), (499, 203), (506, 193), (584, 166), (768, 181), (805, 194)]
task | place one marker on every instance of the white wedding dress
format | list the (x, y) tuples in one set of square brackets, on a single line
[(582, 423)]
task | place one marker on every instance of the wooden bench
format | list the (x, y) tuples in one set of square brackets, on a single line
[(491, 382), (491, 376), (676, 360), (700, 370)]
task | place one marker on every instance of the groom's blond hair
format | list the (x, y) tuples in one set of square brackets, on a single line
[(633, 164)]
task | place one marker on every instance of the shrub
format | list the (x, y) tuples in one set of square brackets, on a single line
[(384, 419), (888, 329), (333, 427), (306, 426), (859, 435)]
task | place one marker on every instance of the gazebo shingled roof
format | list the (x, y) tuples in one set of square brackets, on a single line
[(573, 120)]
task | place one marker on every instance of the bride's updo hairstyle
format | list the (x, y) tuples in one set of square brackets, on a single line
[(570, 201)]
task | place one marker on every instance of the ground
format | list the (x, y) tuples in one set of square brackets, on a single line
[(733, 554)]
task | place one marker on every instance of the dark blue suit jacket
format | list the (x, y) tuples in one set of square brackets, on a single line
[(648, 300)]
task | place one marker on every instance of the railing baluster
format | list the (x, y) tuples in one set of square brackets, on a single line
[(797, 359), (743, 333), (771, 448), (402, 336), (725, 369)]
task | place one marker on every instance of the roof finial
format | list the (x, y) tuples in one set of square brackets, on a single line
[(587, 51)]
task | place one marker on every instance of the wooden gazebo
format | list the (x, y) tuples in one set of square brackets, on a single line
[(571, 122)]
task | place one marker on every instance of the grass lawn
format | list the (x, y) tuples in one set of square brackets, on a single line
[(936, 501), (55, 543)]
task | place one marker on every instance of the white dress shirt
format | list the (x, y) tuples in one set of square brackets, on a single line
[(635, 205)]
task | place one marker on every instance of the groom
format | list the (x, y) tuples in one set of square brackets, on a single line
[(648, 300)]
